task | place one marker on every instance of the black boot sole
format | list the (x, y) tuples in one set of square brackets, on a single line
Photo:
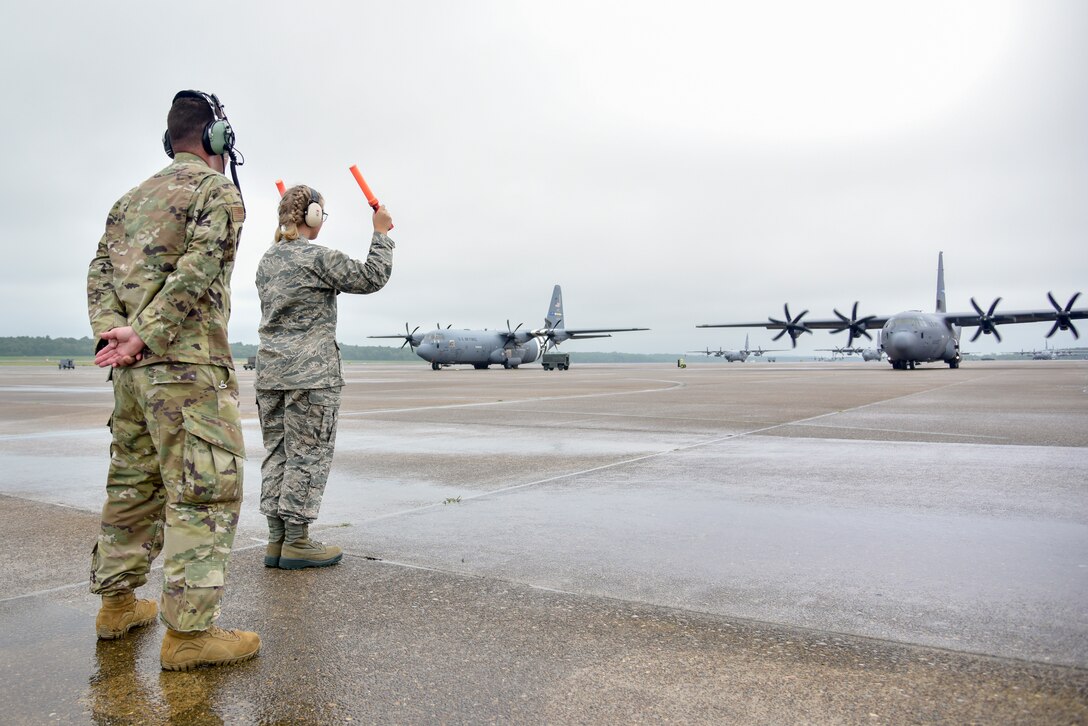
[(291, 564)]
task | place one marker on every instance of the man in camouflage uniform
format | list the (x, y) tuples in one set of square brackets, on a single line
[(158, 295), (298, 368)]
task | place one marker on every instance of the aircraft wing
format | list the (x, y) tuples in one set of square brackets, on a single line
[(410, 337), (988, 320), (872, 322), (794, 326), (589, 332), (1013, 316), (559, 335)]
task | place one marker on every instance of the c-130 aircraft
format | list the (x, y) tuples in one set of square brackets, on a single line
[(737, 356), (509, 348), (913, 337)]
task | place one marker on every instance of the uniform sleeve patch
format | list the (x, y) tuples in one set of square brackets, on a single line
[(237, 213)]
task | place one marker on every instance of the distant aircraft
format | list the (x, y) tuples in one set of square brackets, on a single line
[(736, 356), (844, 351), (1047, 353), (867, 354), (915, 337), (871, 354), (509, 348)]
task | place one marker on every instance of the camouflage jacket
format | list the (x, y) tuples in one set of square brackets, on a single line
[(298, 282), (163, 265)]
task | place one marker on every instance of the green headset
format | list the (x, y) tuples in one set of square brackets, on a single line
[(217, 137)]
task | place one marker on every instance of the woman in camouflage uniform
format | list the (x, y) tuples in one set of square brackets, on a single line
[(298, 368)]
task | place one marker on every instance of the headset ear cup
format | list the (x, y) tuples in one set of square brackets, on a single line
[(218, 138), (313, 215), (166, 145)]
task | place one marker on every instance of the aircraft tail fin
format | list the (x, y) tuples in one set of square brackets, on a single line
[(554, 317), (745, 343), (941, 306)]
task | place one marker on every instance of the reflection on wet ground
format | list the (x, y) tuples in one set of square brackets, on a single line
[(613, 544)]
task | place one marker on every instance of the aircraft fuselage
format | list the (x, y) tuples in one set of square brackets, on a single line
[(479, 348), (917, 337)]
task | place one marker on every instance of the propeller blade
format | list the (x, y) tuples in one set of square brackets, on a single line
[(856, 326), (986, 322), (1063, 321), (791, 325)]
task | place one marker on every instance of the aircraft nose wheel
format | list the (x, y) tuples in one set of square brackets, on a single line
[(434, 365)]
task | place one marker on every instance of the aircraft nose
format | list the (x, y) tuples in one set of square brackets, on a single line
[(899, 344), (425, 351)]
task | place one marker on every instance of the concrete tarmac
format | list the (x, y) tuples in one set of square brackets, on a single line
[(743, 543)]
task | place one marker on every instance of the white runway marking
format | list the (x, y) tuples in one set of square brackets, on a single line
[(645, 457), (675, 384)]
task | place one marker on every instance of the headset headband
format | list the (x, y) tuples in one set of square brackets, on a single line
[(209, 98)]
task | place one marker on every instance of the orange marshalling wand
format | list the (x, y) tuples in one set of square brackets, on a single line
[(280, 186), (370, 198)]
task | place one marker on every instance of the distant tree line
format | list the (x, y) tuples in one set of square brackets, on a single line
[(84, 347), (241, 351), (29, 347), (588, 357), (53, 347)]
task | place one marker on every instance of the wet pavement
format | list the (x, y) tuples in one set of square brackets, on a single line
[(766, 542)]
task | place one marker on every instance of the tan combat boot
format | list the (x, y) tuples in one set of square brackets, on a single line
[(121, 613), (308, 552), (272, 554), (214, 646), (276, 532)]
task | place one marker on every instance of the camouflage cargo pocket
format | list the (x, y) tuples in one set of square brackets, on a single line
[(204, 575), (204, 583), (213, 456), (329, 401)]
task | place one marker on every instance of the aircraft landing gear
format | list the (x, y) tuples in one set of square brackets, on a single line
[(434, 365), (953, 364)]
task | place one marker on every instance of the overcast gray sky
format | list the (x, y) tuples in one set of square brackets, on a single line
[(668, 164)]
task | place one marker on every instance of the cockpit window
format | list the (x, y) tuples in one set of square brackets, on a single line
[(912, 322)]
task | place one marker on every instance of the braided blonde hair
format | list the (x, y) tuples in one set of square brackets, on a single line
[(292, 210)]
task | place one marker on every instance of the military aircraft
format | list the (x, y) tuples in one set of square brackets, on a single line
[(913, 337), (509, 348), (844, 351), (867, 354), (870, 354), (736, 356), (1047, 353)]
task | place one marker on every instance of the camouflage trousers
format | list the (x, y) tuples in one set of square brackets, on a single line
[(299, 429), (174, 486)]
